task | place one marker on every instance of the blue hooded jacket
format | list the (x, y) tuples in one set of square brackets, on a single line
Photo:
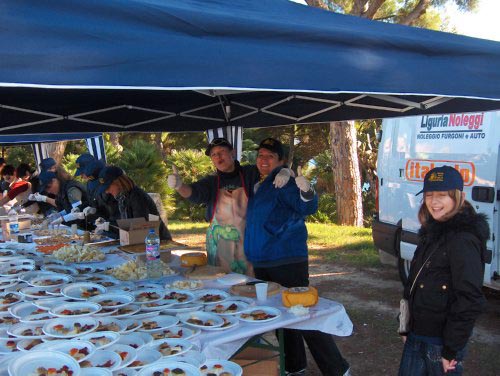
[(275, 231)]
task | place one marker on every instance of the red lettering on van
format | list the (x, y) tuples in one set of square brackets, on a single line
[(416, 169)]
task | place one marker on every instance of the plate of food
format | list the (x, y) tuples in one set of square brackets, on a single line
[(106, 312), (51, 280), (14, 271), (169, 368), (158, 323), (180, 332), (48, 303), (57, 268), (127, 353), (34, 292), (70, 327), (77, 349), (8, 319), (217, 367), (185, 284), (8, 298), (201, 320), (170, 347), (101, 340), (6, 283), (183, 308), (159, 305), (144, 358), (178, 296), (77, 253), (8, 346), (76, 309), (102, 359), (231, 307), (108, 324), (38, 363), (26, 331), (126, 311), (25, 277), (148, 295), (131, 325), (211, 296), (134, 340), (24, 309), (113, 299), (36, 318), (28, 344), (83, 290), (229, 322), (259, 314)]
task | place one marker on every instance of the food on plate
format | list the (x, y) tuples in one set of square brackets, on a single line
[(123, 311), (79, 253), (215, 370), (17, 270), (221, 308), (168, 350), (186, 284), (48, 249), (88, 292), (136, 363), (174, 295), (211, 298), (178, 333), (146, 296), (9, 298), (79, 354), (9, 320), (133, 270), (110, 303), (257, 315), (123, 354), (32, 344), (50, 232), (84, 269), (149, 325), (48, 282), (195, 321), (110, 327), (11, 345), (53, 239), (77, 328), (132, 326), (63, 371), (107, 364), (170, 372), (73, 312), (100, 341), (32, 332)]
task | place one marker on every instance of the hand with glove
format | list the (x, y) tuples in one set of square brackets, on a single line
[(55, 216), (174, 180), (101, 226), (76, 209), (73, 217), (282, 177), (57, 221), (89, 210), (303, 184), (37, 197)]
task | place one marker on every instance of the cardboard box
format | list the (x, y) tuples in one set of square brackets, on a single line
[(268, 364), (134, 230)]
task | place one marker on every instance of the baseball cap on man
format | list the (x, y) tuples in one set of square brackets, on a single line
[(82, 161), (93, 168), (219, 141), (444, 178), (273, 145), (107, 176), (47, 163), (45, 178)]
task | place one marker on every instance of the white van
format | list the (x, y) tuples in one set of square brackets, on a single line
[(411, 146)]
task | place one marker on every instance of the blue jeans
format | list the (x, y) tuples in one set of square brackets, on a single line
[(421, 359)]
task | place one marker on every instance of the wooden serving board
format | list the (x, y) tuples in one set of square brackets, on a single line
[(205, 272), (141, 248), (249, 290)]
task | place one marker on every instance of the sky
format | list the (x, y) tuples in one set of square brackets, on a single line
[(484, 23)]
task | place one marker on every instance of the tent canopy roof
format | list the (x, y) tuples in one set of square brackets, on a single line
[(153, 65)]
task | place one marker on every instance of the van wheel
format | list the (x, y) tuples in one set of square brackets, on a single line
[(403, 265)]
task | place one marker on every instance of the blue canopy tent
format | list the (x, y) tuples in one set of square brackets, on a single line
[(168, 65)]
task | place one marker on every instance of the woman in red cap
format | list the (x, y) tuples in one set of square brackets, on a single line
[(444, 288)]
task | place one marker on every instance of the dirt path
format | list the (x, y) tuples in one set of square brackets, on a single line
[(371, 298)]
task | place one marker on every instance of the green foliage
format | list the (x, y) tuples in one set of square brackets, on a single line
[(69, 164), (20, 154), (192, 165), (327, 210)]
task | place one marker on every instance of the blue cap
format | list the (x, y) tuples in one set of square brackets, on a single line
[(47, 163), (272, 145), (107, 176), (444, 178), (81, 163), (93, 168), (45, 178)]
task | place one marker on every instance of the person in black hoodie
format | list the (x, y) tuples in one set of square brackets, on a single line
[(447, 277)]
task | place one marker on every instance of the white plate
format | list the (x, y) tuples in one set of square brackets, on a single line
[(88, 324), (176, 296), (111, 325), (162, 322), (182, 308), (143, 315), (6, 283), (9, 298), (7, 319), (193, 356), (28, 344), (211, 296), (157, 306), (147, 357), (126, 353), (132, 339), (126, 312), (226, 365), (189, 369), (99, 359), (113, 299), (146, 337), (25, 277), (229, 322), (56, 268), (131, 325), (182, 345), (78, 290), (24, 309), (105, 312), (181, 332), (38, 318), (28, 363), (50, 281), (232, 279), (95, 371), (205, 317), (101, 340), (71, 309), (34, 292), (221, 308), (66, 346), (49, 303), (18, 329), (268, 310), (14, 271), (148, 295)]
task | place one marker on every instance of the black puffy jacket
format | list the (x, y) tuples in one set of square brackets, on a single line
[(447, 297)]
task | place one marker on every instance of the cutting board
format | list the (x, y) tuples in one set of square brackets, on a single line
[(205, 272), (249, 290)]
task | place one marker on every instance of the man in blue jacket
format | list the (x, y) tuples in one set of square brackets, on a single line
[(276, 245)]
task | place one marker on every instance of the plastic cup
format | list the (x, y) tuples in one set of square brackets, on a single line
[(74, 229), (261, 291)]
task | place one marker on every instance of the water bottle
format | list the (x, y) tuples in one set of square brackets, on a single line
[(153, 264), (13, 224)]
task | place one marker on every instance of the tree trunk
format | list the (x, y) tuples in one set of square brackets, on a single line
[(291, 146), (346, 176), (56, 150)]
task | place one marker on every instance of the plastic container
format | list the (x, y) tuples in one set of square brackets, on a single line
[(153, 264), (13, 224)]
